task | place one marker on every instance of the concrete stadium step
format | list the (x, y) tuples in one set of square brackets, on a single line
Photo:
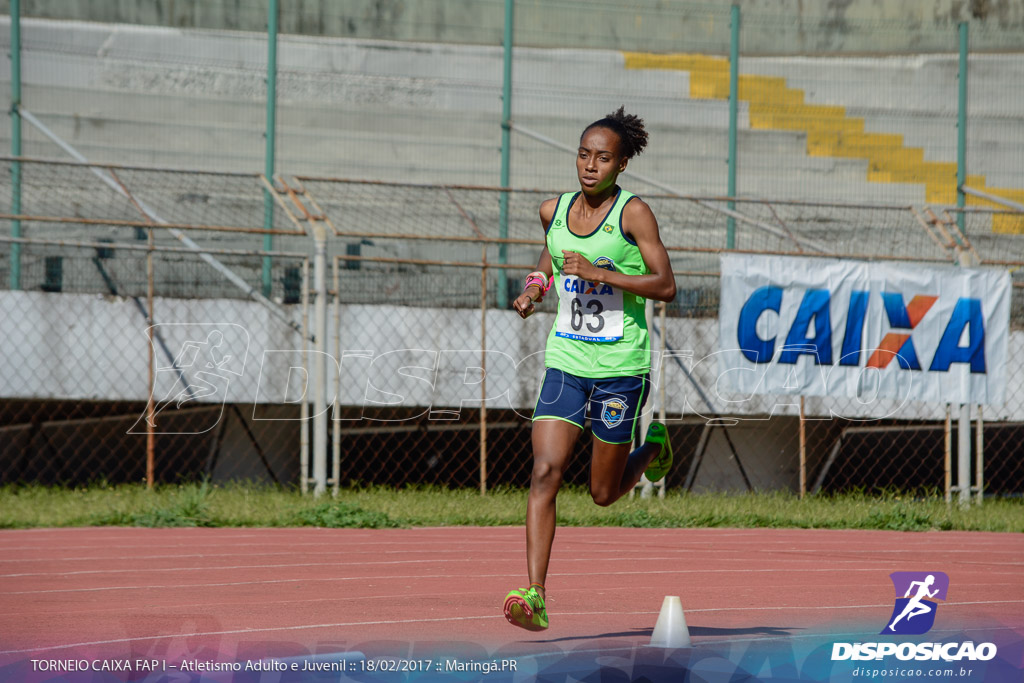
[(688, 132), (352, 139), (802, 100), (533, 166), (430, 113), (918, 83), (142, 106)]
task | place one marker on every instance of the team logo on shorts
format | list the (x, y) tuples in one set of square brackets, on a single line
[(914, 613), (613, 413), (605, 262)]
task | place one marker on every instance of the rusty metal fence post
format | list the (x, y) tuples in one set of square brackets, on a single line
[(150, 352), (483, 370)]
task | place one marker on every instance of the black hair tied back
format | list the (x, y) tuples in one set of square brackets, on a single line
[(629, 128)]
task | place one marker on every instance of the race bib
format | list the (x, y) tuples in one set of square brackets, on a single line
[(588, 311)]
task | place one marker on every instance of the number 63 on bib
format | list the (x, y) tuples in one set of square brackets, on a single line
[(588, 311)]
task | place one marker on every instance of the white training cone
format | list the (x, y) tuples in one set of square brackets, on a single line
[(671, 631)]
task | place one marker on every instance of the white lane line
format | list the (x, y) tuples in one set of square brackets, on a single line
[(257, 630), (193, 586), (632, 559), (512, 573), (741, 554), (887, 605), (824, 636), (403, 596), (344, 551), (391, 622), (692, 537), (214, 543), (339, 565)]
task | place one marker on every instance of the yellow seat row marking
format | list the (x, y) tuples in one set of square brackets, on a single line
[(773, 105)]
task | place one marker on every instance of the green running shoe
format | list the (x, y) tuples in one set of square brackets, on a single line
[(525, 608), (662, 463)]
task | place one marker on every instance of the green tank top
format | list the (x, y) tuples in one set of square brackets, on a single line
[(599, 331)]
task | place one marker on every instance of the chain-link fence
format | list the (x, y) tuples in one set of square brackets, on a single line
[(131, 288), (129, 343), (835, 129)]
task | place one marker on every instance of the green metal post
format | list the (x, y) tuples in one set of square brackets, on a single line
[(734, 90), (506, 151), (961, 131), (963, 469), (271, 136), (15, 140)]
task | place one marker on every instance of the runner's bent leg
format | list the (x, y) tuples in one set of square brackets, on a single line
[(614, 470)]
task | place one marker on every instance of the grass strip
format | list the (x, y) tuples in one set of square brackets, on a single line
[(242, 505)]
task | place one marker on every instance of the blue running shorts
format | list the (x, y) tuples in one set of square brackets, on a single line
[(612, 404)]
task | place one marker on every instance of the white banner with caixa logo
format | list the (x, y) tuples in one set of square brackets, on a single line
[(829, 327)]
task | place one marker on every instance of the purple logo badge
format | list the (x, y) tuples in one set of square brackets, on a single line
[(916, 592)]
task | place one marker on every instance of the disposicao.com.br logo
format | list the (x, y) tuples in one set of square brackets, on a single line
[(914, 614)]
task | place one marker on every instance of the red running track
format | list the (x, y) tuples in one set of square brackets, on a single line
[(116, 592)]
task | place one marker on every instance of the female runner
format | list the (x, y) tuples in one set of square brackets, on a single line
[(605, 258)]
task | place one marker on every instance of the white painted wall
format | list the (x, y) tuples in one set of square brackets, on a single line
[(87, 347)]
